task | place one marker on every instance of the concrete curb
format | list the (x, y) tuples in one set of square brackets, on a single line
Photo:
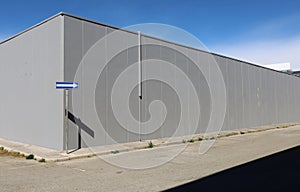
[(50, 155)]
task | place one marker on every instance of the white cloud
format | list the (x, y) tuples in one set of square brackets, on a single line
[(275, 41), (264, 52)]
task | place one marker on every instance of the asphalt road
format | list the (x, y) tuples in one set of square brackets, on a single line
[(95, 174), (277, 172)]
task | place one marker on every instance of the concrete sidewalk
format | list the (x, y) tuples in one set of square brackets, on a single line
[(101, 174), (57, 156)]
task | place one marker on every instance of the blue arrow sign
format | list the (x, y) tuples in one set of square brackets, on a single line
[(66, 85)]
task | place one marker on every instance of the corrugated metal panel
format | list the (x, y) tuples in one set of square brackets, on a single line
[(255, 96), (224, 69), (31, 107)]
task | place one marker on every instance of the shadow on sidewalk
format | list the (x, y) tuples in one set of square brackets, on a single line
[(277, 172)]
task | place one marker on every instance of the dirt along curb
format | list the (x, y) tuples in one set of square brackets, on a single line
[(42, 155)]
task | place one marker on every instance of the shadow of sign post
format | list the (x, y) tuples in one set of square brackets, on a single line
[(81, 126)]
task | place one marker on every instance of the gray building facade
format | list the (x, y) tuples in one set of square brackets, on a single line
[(69, 48)]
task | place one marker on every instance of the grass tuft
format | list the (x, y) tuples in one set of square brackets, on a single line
[(115, 152), (29, 157), (42, 160), (150, 145)]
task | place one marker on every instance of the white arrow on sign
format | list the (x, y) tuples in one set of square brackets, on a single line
[(66, 85)]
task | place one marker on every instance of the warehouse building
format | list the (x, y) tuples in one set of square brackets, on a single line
[(232, 94)]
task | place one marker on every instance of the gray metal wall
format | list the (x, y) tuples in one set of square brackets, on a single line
[(64, 48), (31, 109), (255, 96), (258, 96)]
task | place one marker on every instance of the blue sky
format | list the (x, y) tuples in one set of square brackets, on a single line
[(263, 32)]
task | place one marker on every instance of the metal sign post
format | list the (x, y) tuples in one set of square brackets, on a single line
[(66, 86), (67, 119)]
